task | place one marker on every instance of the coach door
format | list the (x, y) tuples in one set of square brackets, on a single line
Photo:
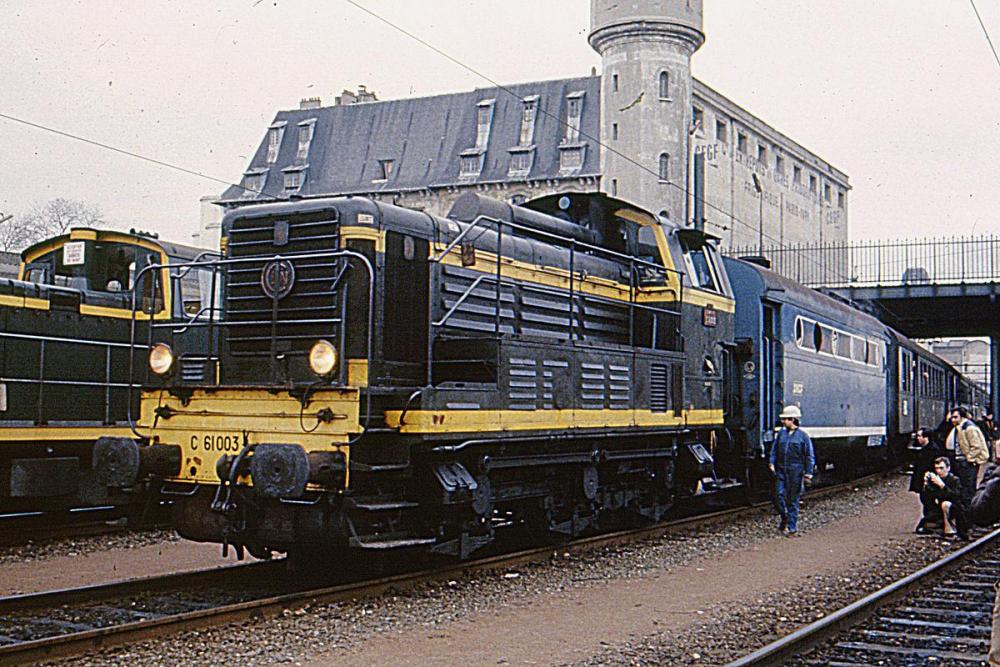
[(771, 369), (907, 399)]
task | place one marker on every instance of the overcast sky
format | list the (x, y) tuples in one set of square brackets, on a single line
[(903, 95)]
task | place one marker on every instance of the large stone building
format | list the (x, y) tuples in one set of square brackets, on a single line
[(635, 130)]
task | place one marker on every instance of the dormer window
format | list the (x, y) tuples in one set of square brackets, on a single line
[(528, 115), (306, 130), (520, 161), (471, 163), (484, 120), (385, 168), (574, 115), (253, 183), (295, 177), (275, 134)]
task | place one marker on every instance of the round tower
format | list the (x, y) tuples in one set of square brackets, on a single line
[(646, 48)]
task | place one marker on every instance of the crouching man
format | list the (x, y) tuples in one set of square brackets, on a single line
[(943, 490)]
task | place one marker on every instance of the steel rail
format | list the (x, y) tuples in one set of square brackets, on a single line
[(809, 637), (77, 643)]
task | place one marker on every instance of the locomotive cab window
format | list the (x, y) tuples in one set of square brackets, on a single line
[(648, 251), (702, 266)]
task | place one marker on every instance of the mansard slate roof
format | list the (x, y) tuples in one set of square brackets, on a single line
[(425, 138)]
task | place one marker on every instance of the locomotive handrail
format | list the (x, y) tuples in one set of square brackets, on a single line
[(215, 265)]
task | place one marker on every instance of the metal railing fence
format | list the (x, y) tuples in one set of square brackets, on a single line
[(949, 260)]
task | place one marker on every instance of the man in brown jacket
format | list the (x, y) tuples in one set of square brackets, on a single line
[(970, 451)]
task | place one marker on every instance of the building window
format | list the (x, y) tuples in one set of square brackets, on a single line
[(520, 162), (741, 143), (826, 192), (614, 83), (812, 183), (484, 119), (779, 164), (305, 138), (761, 153), (697, 118), (614, 187), (720, 131), (841, 199), (614, 131), (797, 175), (385, 170), (274, 135), (471, 164), (664, 167), (570, 159), (253, 184), (528, 115), (293, 180), (664, 85), (574, 113)]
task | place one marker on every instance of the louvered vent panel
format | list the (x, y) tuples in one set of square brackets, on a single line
[(659, 387)]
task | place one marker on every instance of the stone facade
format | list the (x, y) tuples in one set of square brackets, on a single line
[(633, 131)]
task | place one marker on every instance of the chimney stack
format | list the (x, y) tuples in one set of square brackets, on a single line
[(310, 103)]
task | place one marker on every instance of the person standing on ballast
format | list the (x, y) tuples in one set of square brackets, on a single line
[(792, 462)]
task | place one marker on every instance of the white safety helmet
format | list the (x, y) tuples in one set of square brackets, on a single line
[(790, 412)]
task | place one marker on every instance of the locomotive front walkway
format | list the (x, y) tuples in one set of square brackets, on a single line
[(574, 625)]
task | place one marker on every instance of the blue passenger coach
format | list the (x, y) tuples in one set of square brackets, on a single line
[(797, 346)]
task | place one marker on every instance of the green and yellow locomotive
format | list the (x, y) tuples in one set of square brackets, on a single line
[(66, 349), (387, 378)]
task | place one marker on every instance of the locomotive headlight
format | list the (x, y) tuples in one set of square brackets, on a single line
[(322, 358), (161, 359)]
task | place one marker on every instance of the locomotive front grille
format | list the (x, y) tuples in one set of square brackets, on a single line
[(257, 322)]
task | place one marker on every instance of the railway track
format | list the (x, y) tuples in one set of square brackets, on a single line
[(70, 622), (940, 616)]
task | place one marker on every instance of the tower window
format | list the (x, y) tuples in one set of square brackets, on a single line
[(812, 183), (664, 85), (664, 167), (841, 199), (614, 131), (720, 131), (797, 175), (614, 83), (741, 143), (614, 187), (779, 164), (761, 152)]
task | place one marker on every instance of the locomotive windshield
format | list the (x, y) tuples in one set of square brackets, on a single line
[(95, 266)]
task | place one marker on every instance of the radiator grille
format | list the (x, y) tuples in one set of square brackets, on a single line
[(309, 311)]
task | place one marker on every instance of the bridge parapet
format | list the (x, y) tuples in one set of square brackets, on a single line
[(933, 261)]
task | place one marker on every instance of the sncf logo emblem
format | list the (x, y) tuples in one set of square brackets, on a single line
[(277, 278)]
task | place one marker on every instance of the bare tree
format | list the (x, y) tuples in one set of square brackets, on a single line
[(52, 218)]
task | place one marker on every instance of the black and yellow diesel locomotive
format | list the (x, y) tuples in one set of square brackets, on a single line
[(388, 378), (65, 351)]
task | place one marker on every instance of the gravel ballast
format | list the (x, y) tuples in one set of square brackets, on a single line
[(298, 635), (42, 550)]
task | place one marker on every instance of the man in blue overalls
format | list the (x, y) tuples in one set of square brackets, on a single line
[(792, 462)]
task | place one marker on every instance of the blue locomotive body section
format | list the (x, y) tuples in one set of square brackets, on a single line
[(796, 346)]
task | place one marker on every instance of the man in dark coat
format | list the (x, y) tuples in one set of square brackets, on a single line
[(990, 432), (792, 461), (943, 491)]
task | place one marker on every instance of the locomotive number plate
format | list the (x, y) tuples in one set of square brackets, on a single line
[(216, 442)]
